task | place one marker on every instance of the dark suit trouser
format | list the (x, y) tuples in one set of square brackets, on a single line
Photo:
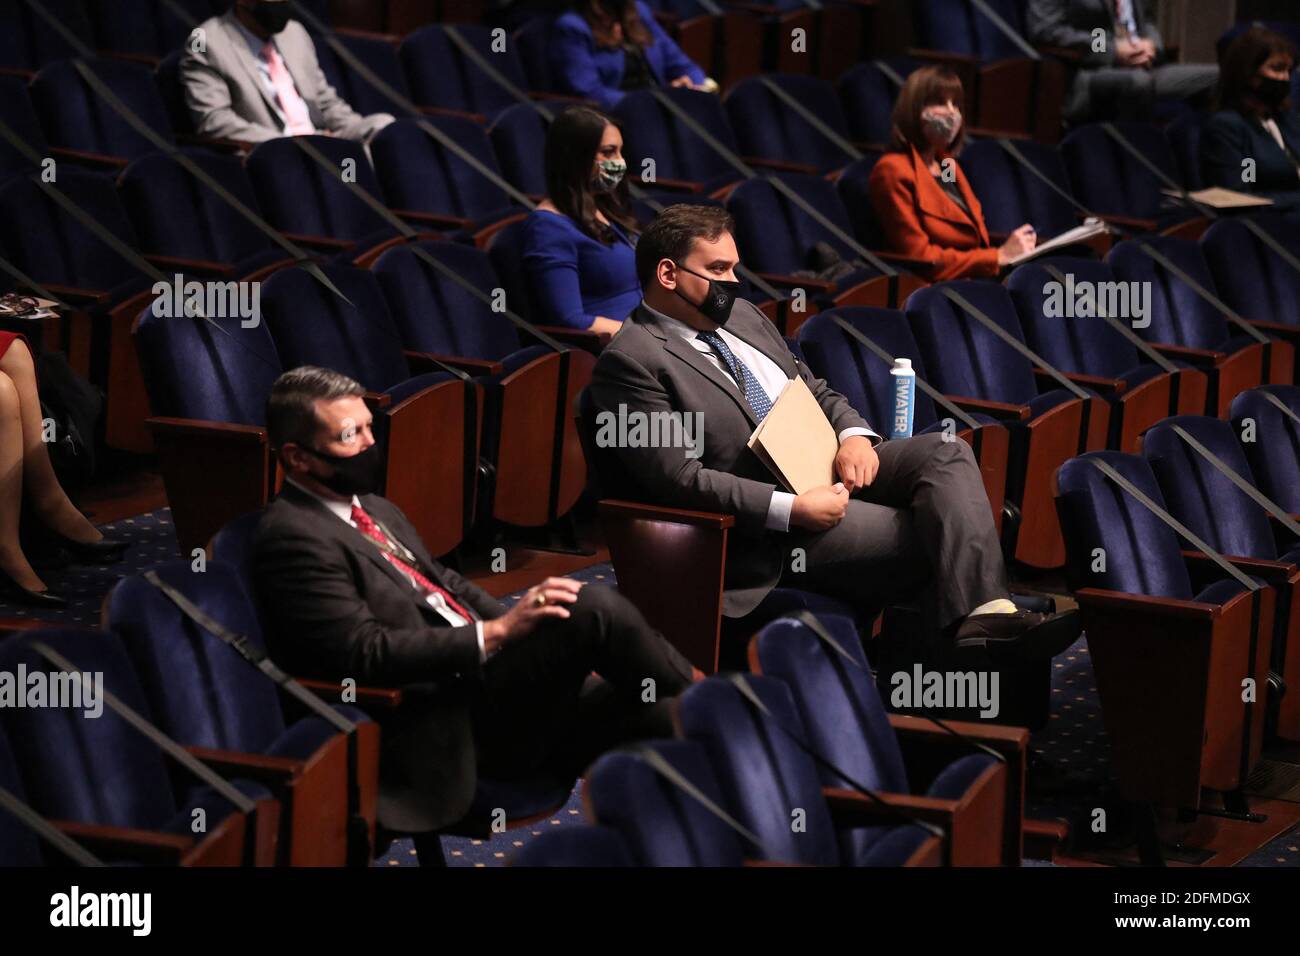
[(1110, 93), (924, 522), (533, 712)]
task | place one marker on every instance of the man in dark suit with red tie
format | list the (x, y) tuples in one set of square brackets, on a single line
[(350, 591)]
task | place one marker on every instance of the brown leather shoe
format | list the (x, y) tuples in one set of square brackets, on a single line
[(1027, 635)]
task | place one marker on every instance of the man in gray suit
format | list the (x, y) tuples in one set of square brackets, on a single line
[(904, 515), (252, 75), (1123, 71)]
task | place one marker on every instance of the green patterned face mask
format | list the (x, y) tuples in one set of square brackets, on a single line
[(609, 174)]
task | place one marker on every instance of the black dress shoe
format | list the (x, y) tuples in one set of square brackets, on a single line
[(9, 588), (103, 551), (1024, 635)]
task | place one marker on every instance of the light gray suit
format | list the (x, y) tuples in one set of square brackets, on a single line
[(925, 519), (226, 96)]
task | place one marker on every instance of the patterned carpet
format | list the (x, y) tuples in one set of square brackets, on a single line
[(1073, 739)]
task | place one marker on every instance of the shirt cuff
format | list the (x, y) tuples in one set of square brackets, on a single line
[(850, 432), (482, 646), (778, 511)]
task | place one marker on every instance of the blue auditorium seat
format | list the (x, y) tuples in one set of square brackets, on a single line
[(203, 694), (1012, 195), (74, 116), (379, 56), (766, 127), (145, 28), (441, 76), (767, 781), (1114, 184), (846, 724), (661, 824), (19, 846), (968, 360), (1184, 135), (1198, 332), (1088, 346), (1170, 649), (176, 214), (650, 131), (17, 113), (519, 138), (1273, 448), (28, 41), (853, 186), (422, 177), (867, 94), (103, 771), (301, 197)]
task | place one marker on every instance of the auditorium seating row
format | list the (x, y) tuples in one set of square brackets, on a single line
[(1196, 662)]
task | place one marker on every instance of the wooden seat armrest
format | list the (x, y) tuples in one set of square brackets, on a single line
[(615, 508), (367, 698), (426, 362), (1003, 410)]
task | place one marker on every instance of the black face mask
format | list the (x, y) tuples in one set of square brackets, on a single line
[(354, 474), (271, 15), (1271, 92), (718, 301)]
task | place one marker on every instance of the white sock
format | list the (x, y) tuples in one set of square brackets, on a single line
[(996, 606)]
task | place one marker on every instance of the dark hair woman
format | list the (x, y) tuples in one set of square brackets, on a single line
[(603, 48), (1253, 143), (920, 195), (579, 242)]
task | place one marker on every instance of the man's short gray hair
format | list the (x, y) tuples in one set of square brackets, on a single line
[(291, 409)]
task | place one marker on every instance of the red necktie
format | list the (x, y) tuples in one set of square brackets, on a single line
[(366, 525)]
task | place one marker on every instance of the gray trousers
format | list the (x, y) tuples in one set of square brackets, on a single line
[(1111, 93), (923, 523)]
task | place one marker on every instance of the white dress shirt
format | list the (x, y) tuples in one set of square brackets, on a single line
[(768, 375), (434, 600)]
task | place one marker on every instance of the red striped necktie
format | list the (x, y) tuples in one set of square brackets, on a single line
[(366, 525)]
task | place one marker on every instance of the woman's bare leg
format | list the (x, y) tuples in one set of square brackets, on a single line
[(42, 485), (12, 560)]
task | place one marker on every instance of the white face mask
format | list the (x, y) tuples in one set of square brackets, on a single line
[(940, 125)]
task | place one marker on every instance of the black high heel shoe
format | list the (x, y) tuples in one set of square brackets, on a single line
[(46, 599), (103, 551)]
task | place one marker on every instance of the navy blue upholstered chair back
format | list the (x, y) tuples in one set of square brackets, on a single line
[(1198, 495), (1273, 448), (195, 370), (74, 768), (519, 139), (965, 358), (297, 194), (855, 371), (19, 846), (17, 113), (145, 27), (1249, 275), (661, 824), (439, 74), (417, 172), (28, 41), (651, 132), (1139, 553), (379, 57), (765, 126), (765, 778), (956, 26), (75, 117), (867, 95), (313, 326), (1074, 343), (1012, 195), (435, 314), (1107, 179), (1178, 315), (176, 214), (774, 234), (201, 692)]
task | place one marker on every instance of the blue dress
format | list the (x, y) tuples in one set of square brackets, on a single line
[(573, 277), (584, 69)]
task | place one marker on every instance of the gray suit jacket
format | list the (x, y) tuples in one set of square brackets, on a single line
[(1069, 24), (225, 95), (649, 369)]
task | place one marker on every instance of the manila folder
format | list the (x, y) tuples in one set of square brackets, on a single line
[(796, 440)]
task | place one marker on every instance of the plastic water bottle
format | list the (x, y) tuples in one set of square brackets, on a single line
[(904, 398)]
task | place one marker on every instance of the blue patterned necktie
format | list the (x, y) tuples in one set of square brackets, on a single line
[(759, 403)]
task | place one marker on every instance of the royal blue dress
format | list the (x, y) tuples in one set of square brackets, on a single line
[(586, 70), (573, 277)]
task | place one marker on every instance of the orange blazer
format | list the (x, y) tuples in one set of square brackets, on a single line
[(920, 220)]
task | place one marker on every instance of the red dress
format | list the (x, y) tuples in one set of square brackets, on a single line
[(6, 340)]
